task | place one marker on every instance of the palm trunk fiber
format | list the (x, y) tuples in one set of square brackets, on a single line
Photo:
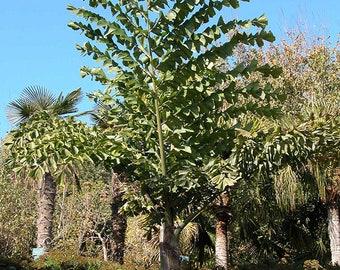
[(223, 218), (46, 206), (334, 233)]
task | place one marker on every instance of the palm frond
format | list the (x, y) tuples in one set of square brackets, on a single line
[(36, 99), (18, 111), (67, 104), (32, 99), (189, 237), (39, 97), (288, 189)]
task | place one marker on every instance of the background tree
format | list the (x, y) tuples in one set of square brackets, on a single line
[(118, 221), (310, 81), (260, 152), (36, 143), (171, 128), (17, 211), (314, 81)]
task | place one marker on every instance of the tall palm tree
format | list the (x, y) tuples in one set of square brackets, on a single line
[(35, 100)]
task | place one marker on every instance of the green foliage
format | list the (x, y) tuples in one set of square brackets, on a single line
[(66, 260), (172, 127), (17, 212), (44, 141), (295, 158), (309, 80), (48, 143), (17, 215), (264, 147), (63, 259), (81, 214)]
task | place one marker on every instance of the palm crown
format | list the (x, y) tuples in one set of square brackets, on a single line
[(37, 99)]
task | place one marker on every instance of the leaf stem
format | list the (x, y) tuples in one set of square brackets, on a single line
[(156, 104)]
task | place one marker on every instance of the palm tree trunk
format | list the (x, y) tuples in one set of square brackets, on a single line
[(46, 206), (118, 222), (334, 233), (222, 221), (169, 247), (221, 252)]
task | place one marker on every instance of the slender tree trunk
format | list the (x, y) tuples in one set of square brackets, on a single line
[(46, 206), (222, 221), (334, 233), (118, 222), (169, 247), (103, 241)]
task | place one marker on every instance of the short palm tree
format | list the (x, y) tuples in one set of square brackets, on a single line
[(33, 101)]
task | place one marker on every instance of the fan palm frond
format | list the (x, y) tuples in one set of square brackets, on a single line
[(67, 104), (18, 111), (32, 99), (39, 96), (36, 99)]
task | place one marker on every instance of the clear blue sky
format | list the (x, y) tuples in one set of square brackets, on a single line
[(37, 47)]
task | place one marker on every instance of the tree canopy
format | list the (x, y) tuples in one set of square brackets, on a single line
[(173, 109)]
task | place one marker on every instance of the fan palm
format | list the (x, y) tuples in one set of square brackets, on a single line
[(33, 101)]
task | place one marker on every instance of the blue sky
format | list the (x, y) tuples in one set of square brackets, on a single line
[(37, 47)]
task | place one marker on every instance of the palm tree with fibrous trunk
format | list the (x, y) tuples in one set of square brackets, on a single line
[(36, 100)]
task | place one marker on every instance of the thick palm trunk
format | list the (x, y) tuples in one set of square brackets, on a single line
[(334, 233), (119, 224), (169, 247), (46, 205), (222, 221), (221, 252)]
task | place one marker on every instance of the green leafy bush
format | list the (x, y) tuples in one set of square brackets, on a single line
[(68, 259), (17, 216)]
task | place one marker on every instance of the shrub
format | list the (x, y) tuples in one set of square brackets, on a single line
[(67, 259)]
